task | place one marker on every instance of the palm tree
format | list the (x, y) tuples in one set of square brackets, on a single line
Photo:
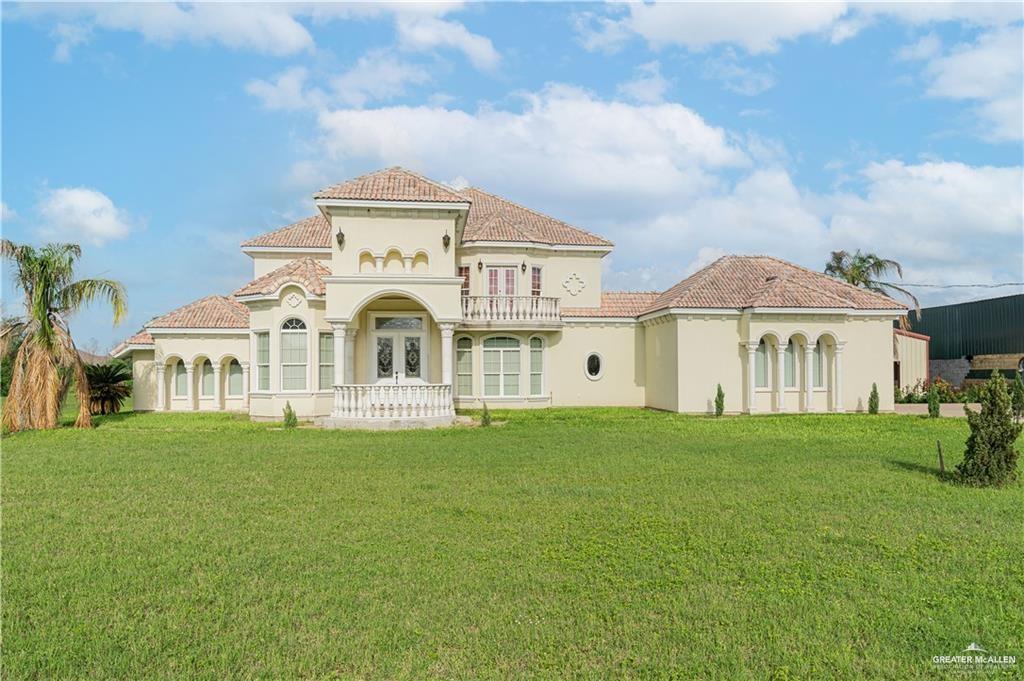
[(867, 270), (110, 385), (47, 359)]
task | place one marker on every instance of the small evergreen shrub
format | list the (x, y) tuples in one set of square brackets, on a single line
[(873, 399), (933, 402), (719, 401), (290, 419), (991, 458), (1017, 398), (485, 416)]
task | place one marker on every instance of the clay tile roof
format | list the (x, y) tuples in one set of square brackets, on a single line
[(211, 312), (311, 232), (305, 271), (392, 184), (492, 218), (737, 281), (140, 338), (615, 304)]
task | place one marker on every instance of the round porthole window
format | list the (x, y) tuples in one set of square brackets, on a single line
[(594, 366)]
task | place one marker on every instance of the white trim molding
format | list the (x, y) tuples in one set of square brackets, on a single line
[(364, 203)]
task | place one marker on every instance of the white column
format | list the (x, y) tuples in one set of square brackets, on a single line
[(189, 387), (447, 331), (407, 263), (780, 377), (838, 387), (161, 388), (751, 377), (216, 387), (245, 385), (350, 356), (339, 353), (808, 378)]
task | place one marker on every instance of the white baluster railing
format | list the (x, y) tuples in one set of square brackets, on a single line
[(388, 401), (510, 309)]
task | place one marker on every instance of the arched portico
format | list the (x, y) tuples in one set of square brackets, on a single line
[(791, 368)]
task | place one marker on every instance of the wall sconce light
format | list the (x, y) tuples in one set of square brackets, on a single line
[(446, 241), (479, 265), (524, 267), (341, 239)]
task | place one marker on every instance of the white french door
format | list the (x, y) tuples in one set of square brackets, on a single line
[(399, 350), (501, 281)]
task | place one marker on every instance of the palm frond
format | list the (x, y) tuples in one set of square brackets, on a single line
[(73, 296)]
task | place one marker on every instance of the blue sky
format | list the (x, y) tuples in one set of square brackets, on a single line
[(161, 135)]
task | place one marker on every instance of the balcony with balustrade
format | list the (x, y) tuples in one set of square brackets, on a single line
[(508, 312)]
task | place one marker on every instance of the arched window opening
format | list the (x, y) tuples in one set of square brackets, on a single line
[(464, 367), (501, 367), (234, 379), (536, 366), (206, 379), (294, 354), (761, 365)]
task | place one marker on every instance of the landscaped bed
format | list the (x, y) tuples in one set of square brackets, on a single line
[(597, 543)]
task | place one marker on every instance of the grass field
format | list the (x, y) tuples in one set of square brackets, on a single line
[(586, 543)]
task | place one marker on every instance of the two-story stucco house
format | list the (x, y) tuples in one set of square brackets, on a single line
[(403, 299)]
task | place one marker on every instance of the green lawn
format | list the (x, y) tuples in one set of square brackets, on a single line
[(587, 543)]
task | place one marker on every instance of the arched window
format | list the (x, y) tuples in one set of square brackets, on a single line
[(326, 361), (180, 379), (206, 379), (761, 365), (818, 365), (789, 365), (464, 367), (501, 367), (536, 366), (294, 354), (234, 378)]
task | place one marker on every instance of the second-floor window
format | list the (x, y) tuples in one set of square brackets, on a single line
[(464, 275), (501, 281), (535, 281)]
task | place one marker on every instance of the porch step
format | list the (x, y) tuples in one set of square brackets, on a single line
[(385, 423)]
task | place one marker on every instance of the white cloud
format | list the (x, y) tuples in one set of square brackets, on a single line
[(736, 78), (79, 213), (266, 28), (287, 91), (419, 32), (648, 85), (7, 213), (761, 27), (926, 47), (377, 76), (989, 71)]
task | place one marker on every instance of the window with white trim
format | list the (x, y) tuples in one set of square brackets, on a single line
[(594, 366), (294, 354), (464, 367), (235, 386), (326, 361), (263, 361), (761, 365), (206, 379), (818, 365), (535, 281), (536, 366), (180, 380), (789, 365), (464, 275), (501, 367)]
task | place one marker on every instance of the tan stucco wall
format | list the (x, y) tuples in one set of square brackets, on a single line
[(661, 364), (143, 380), (556, 267), (408, 231), (264, 262), (709, 353), (912, 354)]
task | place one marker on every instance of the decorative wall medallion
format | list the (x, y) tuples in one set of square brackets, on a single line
[(293, 299), (574, 284)]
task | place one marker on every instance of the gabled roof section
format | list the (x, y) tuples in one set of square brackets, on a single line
[(737, 281), (311, 232), (307, 272), (492, 218), (142, 338), (211, 312), (615, 304), (392, 184)]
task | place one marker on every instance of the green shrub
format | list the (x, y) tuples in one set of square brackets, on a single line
[(933, 402), (110, 385), (485, 416), (719, 401), (873, 399), (1017, 398), (290, 419), (991, 458)]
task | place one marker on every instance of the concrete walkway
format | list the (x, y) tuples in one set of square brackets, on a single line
[(946, 410)]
